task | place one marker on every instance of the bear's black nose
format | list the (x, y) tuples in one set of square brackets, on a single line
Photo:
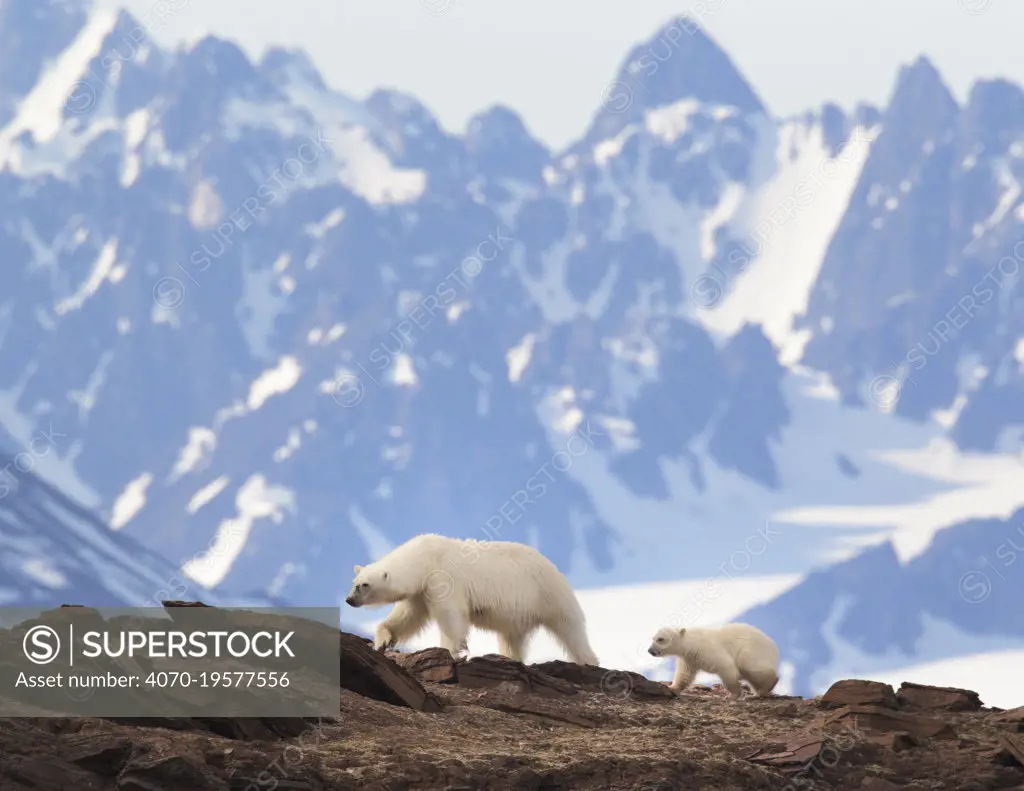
[(351, 601), (652, 652)]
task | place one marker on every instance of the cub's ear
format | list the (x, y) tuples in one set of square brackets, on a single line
[(358, 569)]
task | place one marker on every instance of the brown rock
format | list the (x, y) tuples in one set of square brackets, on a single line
[(525, 728), (175, 771), (170, 723), (134, 783), (370, 673), (34, 772), (938, 698), (876, 719), (858, 692), (798, 754), (545, 715), (1011, 751), (1011, 720), (614, 683), (877, 784), (176, 603), (241, 728), (493, 670), (432, 665), (902, 741), (100, 753)]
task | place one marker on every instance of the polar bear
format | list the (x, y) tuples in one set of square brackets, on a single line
[(732, 652), (499, 586)]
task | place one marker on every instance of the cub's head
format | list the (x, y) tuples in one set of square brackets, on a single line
[(371, 587), (666, 641)]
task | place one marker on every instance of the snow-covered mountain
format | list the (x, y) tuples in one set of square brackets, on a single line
[(278, 330), (53, 552)]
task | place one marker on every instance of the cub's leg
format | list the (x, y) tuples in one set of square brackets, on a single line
[(730, 676), (685, 674), (763, 681)]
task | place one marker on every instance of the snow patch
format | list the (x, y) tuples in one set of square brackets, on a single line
[(344, 152), (274, 381), (293, 443), (980, 486), (262, 302), (201, 442), (135, 127), (670, 122), (56, 461), (940, 640), (916, 482), (205, 209), (44, 572), (130, 501), (255, 500), (207, 494), (403, 372), (41, 114), (992, 675), (789, 223), (102, 271), (86, 398), (518, 357)]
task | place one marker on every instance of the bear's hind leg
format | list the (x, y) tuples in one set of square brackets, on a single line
[(763, 681), (512, 645), (730, 676), (573, 637)]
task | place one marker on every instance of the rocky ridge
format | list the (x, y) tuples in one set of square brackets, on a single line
[(428, 721)]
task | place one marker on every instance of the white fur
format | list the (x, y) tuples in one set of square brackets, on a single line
[(732, 652), (499, 586)]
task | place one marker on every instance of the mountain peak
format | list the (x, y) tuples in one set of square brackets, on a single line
[(680, 61), (284, 66), (502, 145), (921, 97), (994, 116)]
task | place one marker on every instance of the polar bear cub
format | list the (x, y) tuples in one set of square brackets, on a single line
[(499, 586), (732, 652)]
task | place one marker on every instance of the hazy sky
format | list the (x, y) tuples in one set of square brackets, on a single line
[(550, 59)]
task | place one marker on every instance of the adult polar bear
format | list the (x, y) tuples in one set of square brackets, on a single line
[(500, 586)]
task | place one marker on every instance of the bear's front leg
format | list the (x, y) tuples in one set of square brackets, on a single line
[(383, 640), (684, 676), (454, 628)]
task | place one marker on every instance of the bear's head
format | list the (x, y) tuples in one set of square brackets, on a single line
[(667, 641), (371, 588)]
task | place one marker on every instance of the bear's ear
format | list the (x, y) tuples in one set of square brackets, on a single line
[(358, 569)]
